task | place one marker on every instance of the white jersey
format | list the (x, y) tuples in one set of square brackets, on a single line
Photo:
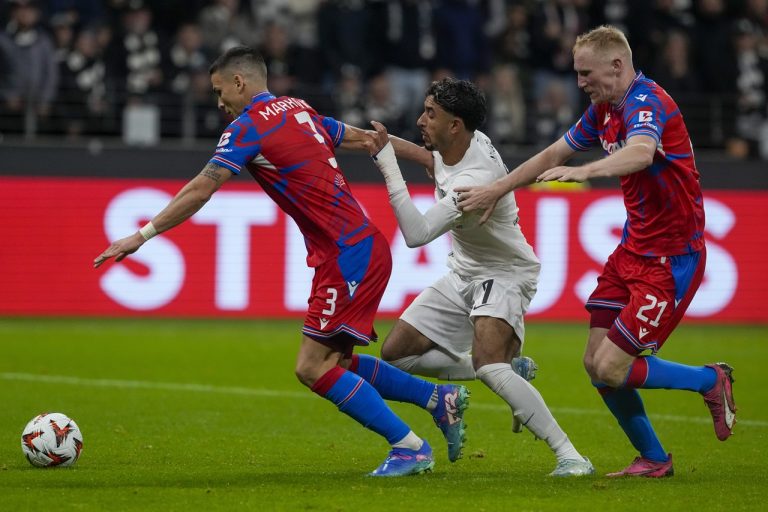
[(497, 245)]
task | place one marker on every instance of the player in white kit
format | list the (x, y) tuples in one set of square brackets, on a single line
[(469, 324)]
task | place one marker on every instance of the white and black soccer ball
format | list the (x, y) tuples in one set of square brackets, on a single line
[(52, 439)]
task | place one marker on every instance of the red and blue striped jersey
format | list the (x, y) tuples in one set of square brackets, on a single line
[(665, 208), (290, 150)]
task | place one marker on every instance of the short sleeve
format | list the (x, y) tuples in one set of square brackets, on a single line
[(238, 145), (583, 135), (644, 115), (334, 128)]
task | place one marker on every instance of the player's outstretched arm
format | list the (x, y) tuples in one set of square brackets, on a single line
[(418, 229), (485, 197), (186, 203), (360, 139), (635, 156)]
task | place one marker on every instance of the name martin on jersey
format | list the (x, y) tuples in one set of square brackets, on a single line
[(278, 107)]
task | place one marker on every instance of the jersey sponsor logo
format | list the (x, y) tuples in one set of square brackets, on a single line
[(641, 97), (611, 147), (643, 332), (352, 285), (323, 323), (645, 116), (224, 140)]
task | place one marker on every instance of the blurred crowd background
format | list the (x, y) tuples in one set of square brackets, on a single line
[(138, 69)]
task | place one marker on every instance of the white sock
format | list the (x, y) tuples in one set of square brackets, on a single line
[(439, 364), (528, 407), (410, 442)]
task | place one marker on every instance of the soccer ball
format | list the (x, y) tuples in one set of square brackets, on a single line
[(51, 439)]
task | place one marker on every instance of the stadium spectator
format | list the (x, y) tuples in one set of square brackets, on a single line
[(224, 25), (651, 278), (136, 53), (351, 258), (83, 106), (553, 113), (554, 27), (506, 106), (714, 61), (468, 324), (463, 48), (80, 13), (752, 87), (648, 25), (673, 70), (409, 43), (36, 75), (347, 39), (379, 104), (281, 58), (185, 66)]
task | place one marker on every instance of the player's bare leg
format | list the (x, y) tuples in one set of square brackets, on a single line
[(494, 344), (411, 351)]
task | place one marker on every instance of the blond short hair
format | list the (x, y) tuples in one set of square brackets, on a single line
[(604, 39)]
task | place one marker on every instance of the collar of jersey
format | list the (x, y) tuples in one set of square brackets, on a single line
[(639, 76), (262, 97)]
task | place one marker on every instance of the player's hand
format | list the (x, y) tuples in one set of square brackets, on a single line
[(376, 140), (563, 173), (478, 198), (120, 249)]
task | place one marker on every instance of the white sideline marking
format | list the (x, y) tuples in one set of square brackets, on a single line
[(229, 390)]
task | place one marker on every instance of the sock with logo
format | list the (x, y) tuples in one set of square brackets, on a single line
[(359, 400), (392, 383), (652, 372), (627, 407)]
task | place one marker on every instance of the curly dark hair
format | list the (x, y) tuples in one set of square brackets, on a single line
[(461, 98)]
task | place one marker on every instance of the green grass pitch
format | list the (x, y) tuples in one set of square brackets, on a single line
[(207, 415)]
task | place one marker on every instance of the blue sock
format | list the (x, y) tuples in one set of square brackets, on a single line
[(627, 406), (359, 400), (392, 383), (668, 375)]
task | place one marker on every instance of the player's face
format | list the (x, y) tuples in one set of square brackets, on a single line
[(434, 124), (229, 90), (597, 75)]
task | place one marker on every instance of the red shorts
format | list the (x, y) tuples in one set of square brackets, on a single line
[(346, 292), (641, 299)]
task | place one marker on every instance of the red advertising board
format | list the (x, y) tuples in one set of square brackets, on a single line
[(240, 256)]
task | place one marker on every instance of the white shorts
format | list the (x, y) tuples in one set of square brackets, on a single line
[(444, 312)]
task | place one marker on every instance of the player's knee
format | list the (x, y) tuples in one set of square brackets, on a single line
[(389, 353), (306, 374), (589, 366), (608, 373)]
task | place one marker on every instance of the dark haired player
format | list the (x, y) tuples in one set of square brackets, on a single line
[(289, 149), (477, 308)]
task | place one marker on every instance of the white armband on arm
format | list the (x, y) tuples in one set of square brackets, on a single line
[(386, 161)]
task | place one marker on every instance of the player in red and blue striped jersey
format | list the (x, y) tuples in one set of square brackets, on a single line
[(290, 150), (651, 278)]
